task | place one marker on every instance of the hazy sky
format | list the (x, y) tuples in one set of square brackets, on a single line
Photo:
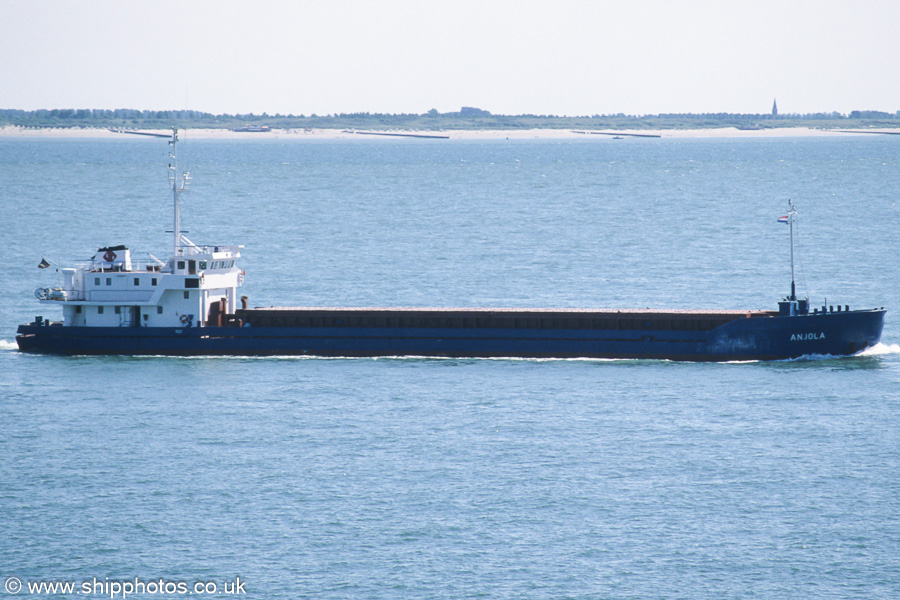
[(555, 57)]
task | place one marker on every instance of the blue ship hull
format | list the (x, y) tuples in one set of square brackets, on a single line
[(769, 337)]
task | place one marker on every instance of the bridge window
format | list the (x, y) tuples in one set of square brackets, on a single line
[(153, 281), (96, 281), (137, 281), (99, 310), (118, 310), (159, 310), (109, 281)]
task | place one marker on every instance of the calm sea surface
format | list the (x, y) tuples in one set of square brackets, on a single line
[(425, 478)]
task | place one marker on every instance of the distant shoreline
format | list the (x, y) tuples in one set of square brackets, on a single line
[(10, 131)]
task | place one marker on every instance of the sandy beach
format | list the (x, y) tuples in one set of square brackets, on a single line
[(485, 134)]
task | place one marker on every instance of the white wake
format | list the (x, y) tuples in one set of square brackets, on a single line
[(881, 350)]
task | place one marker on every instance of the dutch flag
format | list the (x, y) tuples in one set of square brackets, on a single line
[(785, 219)]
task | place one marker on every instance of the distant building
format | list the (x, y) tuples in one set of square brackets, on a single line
[(774, 108)]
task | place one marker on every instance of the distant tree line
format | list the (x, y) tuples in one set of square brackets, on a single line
[(465, 118)]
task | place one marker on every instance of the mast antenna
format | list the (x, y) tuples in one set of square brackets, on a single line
[(179, 182)]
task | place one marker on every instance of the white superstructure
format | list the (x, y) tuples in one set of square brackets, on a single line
[(196, 287)]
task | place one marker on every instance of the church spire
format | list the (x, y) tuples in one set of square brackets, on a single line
[(774, 108)]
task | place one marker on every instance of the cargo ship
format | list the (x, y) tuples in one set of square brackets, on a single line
[(190, 304)]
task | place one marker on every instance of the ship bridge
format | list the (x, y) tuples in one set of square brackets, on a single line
[(112, 289)]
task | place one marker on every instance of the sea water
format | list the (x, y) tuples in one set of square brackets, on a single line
[(284, 478)]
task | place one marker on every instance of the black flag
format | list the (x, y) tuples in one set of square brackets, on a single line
[(44, 264)]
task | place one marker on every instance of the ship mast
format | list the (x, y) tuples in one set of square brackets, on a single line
[(179, 184), (792, 214)]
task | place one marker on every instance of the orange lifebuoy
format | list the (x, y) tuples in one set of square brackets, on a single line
[(109, 256), (185, 319)]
